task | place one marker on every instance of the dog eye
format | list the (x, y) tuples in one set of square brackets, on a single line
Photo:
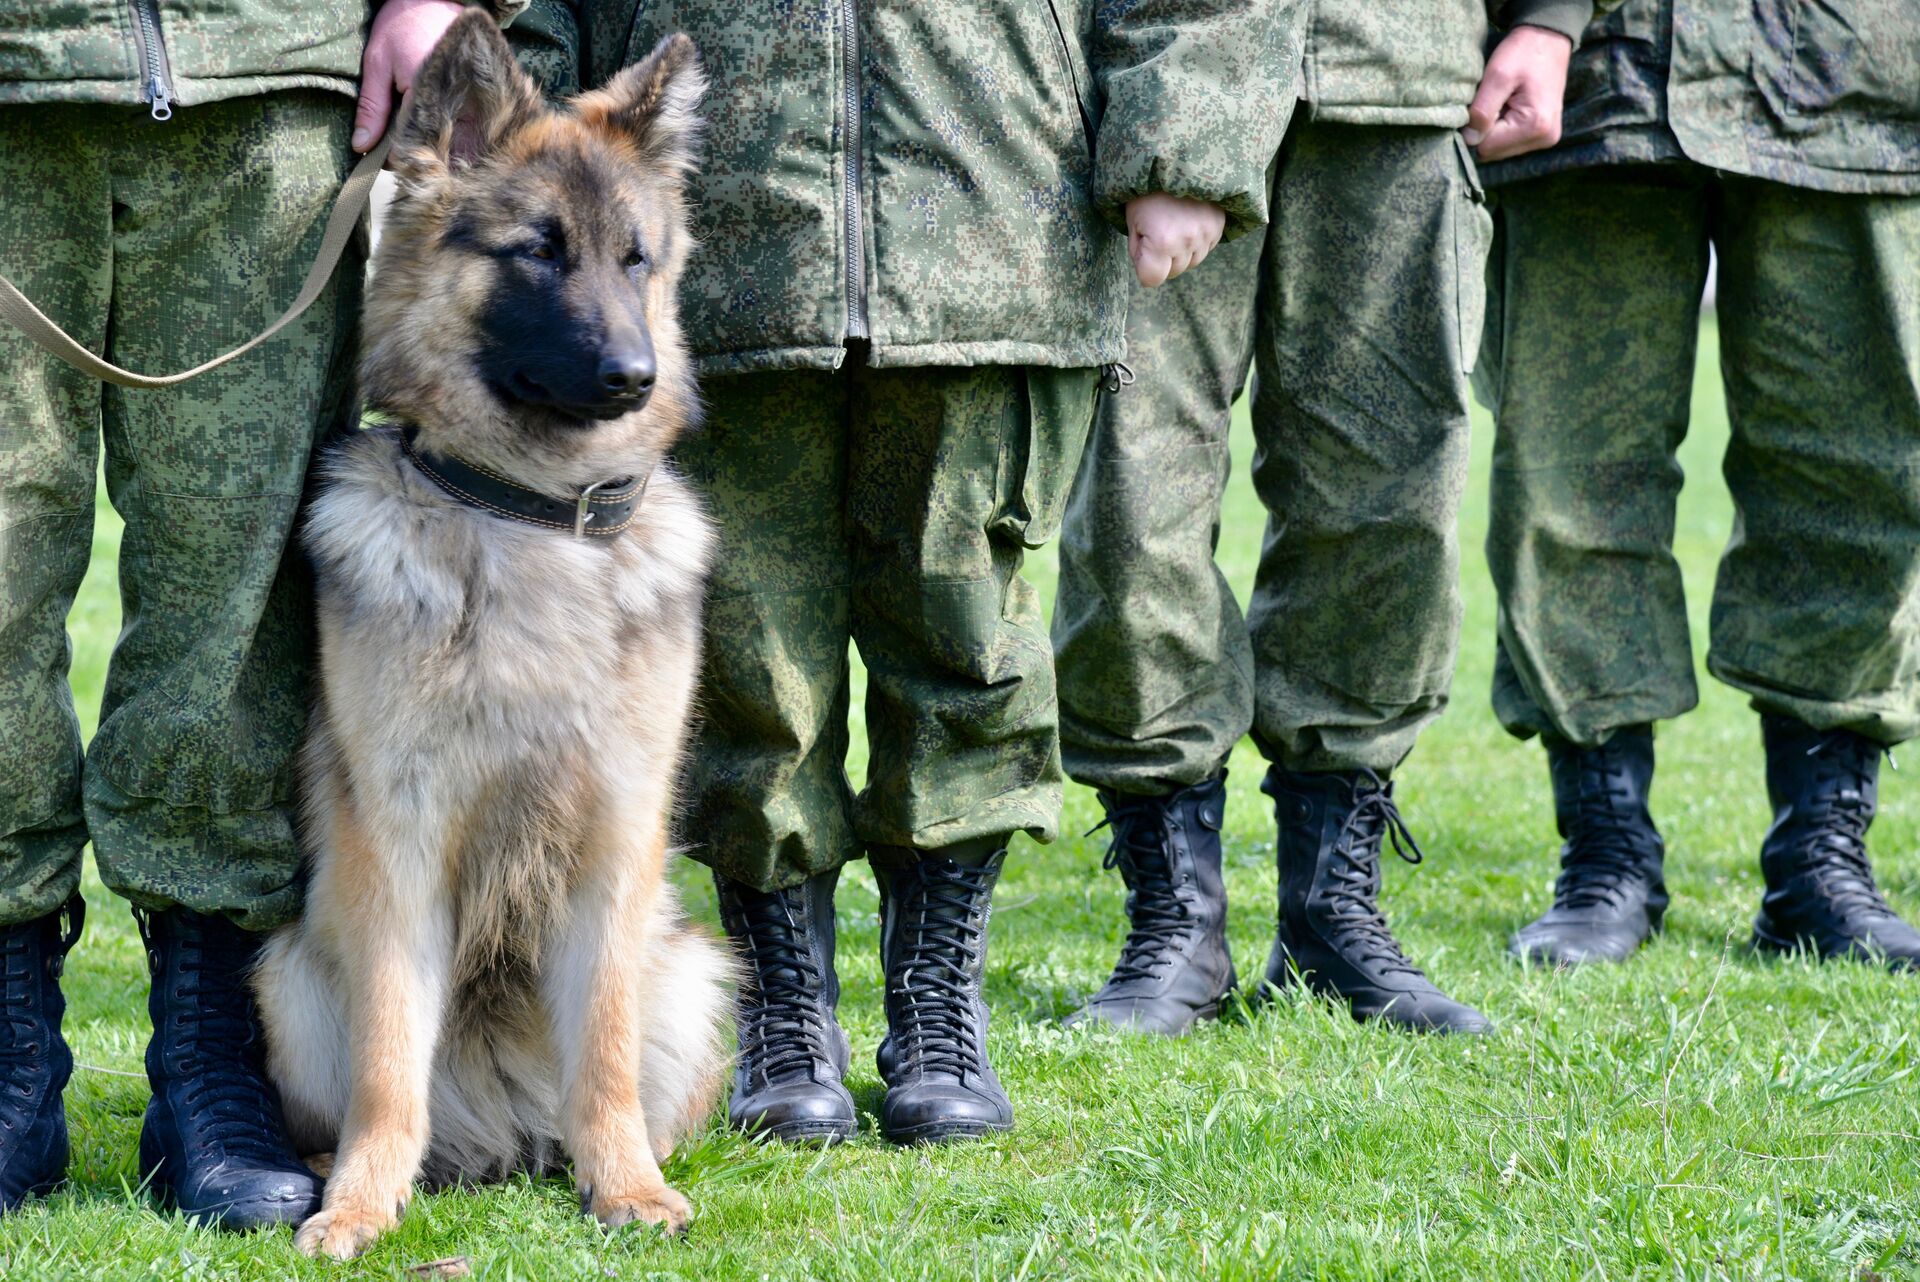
[(543, 251), (634, 258)]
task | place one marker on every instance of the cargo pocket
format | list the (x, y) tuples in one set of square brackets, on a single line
[(1854, 62), (1472, 240), (1079, 79), (1038, 458)]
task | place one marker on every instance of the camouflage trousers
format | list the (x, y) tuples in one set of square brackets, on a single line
[(889, 509), (1588, 365), (1358, 311), (161, 245)]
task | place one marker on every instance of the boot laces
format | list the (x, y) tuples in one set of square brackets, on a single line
[(20, 1049), (1601, 856), (1354, 899), (1142, 851), (217, 1051), (783, 1022), (934, 987), (19, 982), (22, 997), (1839, 862)]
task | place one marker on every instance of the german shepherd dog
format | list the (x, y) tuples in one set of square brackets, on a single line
[(492, 971)]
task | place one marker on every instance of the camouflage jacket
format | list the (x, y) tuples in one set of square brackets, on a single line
[(1413, 62), (182, 52), (997, 146), (1813, 93)]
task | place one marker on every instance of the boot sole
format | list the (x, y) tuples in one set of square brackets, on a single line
[(1086, 1016), (818, 1134), (946, 1132), (1544, 958), (1768, 944), (45, 1188), (1271, 987), (238, 1216), (46, 1184)]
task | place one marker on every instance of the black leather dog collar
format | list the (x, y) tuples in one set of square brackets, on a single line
[(597, 511)]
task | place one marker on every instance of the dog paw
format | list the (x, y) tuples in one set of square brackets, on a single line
[(660, 1205), (341, 1233), (320, 1164)]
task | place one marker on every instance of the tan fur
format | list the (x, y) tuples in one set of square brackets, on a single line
[(492, 973)]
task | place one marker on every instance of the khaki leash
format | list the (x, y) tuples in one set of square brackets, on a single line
[(351, 203)]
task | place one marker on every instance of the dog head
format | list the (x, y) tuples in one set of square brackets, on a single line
[(522, 306)]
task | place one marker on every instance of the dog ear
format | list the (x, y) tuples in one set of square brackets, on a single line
[(656, 104), (468, 98)]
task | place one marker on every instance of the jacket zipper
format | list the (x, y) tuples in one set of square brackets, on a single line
[(150, 51), (856, 246), (1073, 78)]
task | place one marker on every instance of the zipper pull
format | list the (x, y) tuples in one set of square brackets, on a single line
[(162, 100)]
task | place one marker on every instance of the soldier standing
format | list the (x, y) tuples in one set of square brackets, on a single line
[(1360, 311), (910, 276), (168, 170), (1786, 137)]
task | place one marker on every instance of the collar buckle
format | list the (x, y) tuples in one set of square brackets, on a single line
[(583, 512)]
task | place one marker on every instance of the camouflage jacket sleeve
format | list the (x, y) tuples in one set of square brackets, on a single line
[(547, 39), (1568, 17), (1197, 94)]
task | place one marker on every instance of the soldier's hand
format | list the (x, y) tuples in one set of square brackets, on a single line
[(1167, 235), (404, 33), (1517, 108)]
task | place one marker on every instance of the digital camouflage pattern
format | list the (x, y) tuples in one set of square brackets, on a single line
[(998, 144), (1588, 367), (1413, 62), (890, 509), (1820, 94), (159, 246), (1359, 310), (95, 50)]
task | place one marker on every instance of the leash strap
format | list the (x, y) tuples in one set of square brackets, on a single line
[(352, 202)]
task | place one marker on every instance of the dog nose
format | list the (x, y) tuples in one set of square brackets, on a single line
[(627, 375)]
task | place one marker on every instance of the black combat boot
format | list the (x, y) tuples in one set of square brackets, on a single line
[(933, 944), (793, 1052), (1825, 785), (1610, 895), (1174, 968), (34, 1060), (215, 1141), (1332, 934)]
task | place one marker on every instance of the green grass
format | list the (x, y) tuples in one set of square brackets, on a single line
[(1695, 1114)]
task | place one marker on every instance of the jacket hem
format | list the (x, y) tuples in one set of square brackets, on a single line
[(187, 93), (1437, 115), (1648, 145), (885, 355), (1783, 162), (1658, 145)]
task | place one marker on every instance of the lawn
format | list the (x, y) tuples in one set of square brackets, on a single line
[(1695, 1114)]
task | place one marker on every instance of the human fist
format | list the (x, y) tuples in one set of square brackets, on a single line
[(404, 33), (1167, 235), (1517, 108)]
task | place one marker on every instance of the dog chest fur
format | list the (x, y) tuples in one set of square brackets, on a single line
[(478, 663)]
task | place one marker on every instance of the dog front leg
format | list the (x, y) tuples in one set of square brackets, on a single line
[(593, 995), (396, 988)]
